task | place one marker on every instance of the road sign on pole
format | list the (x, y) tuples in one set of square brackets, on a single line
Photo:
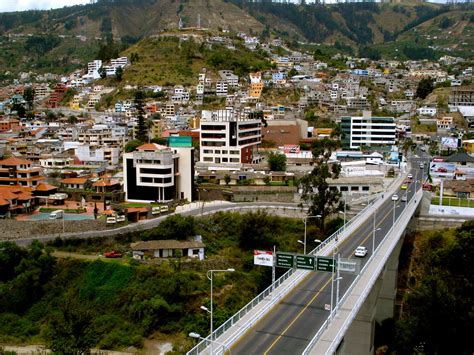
[(325, 264), (350, 266), (305, 262), (285, 260)]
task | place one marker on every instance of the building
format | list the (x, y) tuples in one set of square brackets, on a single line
[(159, 173), (468, 146), (15, 171), (427, 111), (367, 130), (227, 136), (168, 249)]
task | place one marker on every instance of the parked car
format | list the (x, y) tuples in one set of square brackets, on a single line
[(121, 218), (111, 220), (422, 165), (395, 198), (407, 181), (360, 252), (113, 254)]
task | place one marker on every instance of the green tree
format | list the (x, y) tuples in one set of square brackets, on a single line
[(276, 161), (141, 133), (119, 74), (102, 72), (322, 200), (227, 179), (132, 145), (70, 330), (425, 87), (29, 96)]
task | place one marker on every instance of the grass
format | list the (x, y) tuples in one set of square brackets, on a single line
[(454, 201)]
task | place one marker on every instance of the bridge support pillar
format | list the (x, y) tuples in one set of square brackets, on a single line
[(388, 291)]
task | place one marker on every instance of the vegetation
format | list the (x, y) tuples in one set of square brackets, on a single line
[(437, 312), (113, 304), (276, 161), (323, 201)]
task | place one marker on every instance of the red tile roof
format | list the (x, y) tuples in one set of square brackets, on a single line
[(151, 146), (73, 181), (13, 161)]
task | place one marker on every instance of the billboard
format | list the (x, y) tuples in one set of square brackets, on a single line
[(262, 257), (449, 142), (291, 148)]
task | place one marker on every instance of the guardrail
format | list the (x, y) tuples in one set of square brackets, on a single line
[(337, 237), (362, 297)]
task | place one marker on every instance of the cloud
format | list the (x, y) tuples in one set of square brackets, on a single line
[(22, 5)]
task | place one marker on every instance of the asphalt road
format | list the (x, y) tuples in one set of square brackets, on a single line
[(296, 319)]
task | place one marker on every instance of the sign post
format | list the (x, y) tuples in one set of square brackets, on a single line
[(286, 260), (305, 262), (325, 264), (262, 257)]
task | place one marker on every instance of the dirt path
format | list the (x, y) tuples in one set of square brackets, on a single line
[(64, 254)]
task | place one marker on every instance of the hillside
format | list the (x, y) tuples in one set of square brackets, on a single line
[(71, 36)]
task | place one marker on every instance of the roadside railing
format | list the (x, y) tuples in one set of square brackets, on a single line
[(362, 297), (336, 237)]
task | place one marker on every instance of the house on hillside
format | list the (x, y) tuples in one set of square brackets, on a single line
[(168, 249)]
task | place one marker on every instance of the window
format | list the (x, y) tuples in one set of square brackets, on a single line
[(344, 188)]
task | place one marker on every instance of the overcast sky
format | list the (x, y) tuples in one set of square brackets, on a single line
[(21, 5)]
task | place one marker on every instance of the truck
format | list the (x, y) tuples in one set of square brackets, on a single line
[(58, 214)]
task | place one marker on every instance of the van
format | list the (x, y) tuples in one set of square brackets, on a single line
[(164, 209), (58, 214), (155, 210), (110, 220), (121, 218)]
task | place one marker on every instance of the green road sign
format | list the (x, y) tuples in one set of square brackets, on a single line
[(305, 262), (325, 264), (285, 260)]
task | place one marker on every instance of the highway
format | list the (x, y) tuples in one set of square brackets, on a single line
[(289, 327)]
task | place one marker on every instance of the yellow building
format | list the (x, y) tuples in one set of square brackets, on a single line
[(468, 146), (75, 103), (256, 90)]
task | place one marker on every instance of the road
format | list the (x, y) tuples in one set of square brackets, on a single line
[(294, 321)]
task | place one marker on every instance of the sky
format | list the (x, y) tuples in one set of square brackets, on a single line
[(21, 5)]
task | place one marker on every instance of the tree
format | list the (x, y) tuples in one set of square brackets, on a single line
[(102, 72), (322, 200), (276, 161), (132, 145), (141, 133), (71, 330), (227, 179), (29, 96), (425, 87), (119, 73)]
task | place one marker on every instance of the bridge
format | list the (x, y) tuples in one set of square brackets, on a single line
[(309, 312)]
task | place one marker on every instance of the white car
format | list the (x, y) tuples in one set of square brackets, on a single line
[(360, 251), (404, 198), (395, 198), (410, 176), (422, 165)]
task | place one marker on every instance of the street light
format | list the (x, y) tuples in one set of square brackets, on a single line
[(198, 336), (305, 220), (210, 277), (394, 208), (344, 226), (373, 238)]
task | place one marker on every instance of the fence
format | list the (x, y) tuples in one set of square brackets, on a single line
[(324, 246)]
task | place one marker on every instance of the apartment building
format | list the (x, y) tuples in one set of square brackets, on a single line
[(15, 171), (159, 173), (367, 130), (229, 136)]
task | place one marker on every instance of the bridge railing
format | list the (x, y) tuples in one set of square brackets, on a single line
[(362, 296), (201, 346)]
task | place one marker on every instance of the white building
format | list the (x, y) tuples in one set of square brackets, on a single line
[(228, 136), (427, 111), (159, 173), (367, 130)]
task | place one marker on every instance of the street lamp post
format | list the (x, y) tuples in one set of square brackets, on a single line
[(198, 336), (305, 220), (210, 277), (344, 212)]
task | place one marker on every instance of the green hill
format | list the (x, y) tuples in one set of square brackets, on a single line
[(69, 37)]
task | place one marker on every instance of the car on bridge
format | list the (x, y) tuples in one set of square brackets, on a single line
[(360, 251), (404, 187), (404, 198), (395, 198), (410, 176), (422, 165)]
